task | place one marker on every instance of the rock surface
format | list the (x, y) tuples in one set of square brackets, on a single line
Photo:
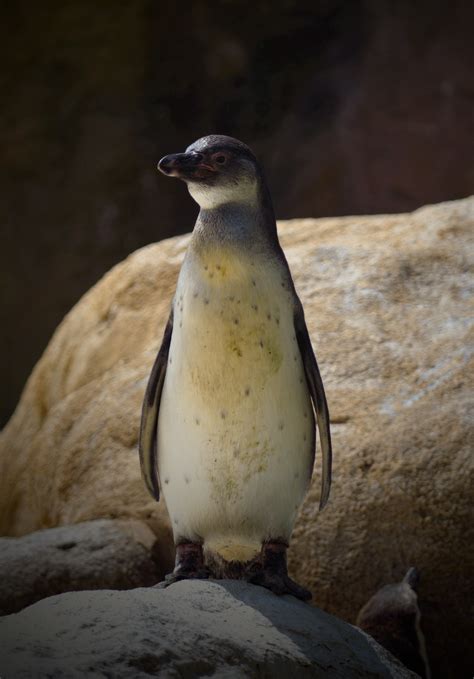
[(192, 629), (387, 301), (91, 555)]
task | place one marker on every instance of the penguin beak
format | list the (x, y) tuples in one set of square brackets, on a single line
[(185, 166)]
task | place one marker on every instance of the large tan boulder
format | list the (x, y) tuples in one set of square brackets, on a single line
[(387, 305)]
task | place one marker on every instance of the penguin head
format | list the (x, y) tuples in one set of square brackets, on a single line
[(218, 170)]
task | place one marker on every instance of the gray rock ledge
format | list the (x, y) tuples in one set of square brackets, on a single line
[(192, 629), (102, 554)]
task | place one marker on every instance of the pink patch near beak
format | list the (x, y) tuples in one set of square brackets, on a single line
[(207, 167)]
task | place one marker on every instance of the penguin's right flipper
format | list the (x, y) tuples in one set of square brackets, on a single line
[(318, 397), (150, 410)]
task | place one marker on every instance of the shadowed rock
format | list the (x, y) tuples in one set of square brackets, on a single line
[(194, 628), (92, 555)]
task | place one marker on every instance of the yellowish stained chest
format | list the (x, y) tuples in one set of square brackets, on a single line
[(233, 324)]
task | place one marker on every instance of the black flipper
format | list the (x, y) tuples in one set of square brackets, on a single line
[(316, 388), (150, 410)]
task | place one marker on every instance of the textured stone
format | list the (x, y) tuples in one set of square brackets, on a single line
[(387, 302), (91, 555), (192, 629)]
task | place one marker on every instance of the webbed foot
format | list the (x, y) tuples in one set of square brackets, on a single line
[(272, 572), (173, 577), (280, 584), (189, 565)]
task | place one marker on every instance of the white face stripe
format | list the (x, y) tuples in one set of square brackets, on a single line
[(210, 197)]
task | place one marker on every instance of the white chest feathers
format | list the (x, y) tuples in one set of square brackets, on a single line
[(235, 429)]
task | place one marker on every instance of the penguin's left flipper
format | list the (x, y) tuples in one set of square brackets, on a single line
[(151, 408), (318, 397)]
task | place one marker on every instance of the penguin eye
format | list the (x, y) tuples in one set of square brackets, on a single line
[(221, 159)]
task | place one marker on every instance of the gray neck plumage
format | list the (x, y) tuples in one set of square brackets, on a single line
[(239, 224)]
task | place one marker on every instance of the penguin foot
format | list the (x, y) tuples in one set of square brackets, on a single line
[(280, 584), (189, 565), (272, 572), (176, 576)]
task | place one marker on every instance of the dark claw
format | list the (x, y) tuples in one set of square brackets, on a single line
[(176, 576), (189, 565), (280, 584), (271, 571)]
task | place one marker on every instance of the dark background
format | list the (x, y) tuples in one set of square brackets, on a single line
[(354, 107)]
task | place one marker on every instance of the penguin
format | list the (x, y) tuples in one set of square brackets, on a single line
[(392, 617), (228, 422)]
